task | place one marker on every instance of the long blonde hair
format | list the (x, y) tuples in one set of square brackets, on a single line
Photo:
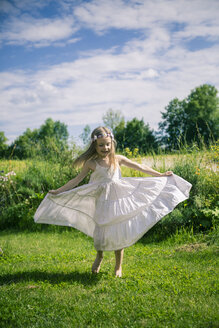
[(91, 152)]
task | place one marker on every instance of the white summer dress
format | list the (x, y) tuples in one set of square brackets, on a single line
[(115, 211)]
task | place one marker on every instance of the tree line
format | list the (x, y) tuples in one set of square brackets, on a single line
[(51, 138), (194, 119)]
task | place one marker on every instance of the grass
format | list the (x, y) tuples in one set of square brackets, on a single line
[(45, 276), (45, 281)]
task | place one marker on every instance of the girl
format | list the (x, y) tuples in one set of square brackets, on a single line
[(115, 211)]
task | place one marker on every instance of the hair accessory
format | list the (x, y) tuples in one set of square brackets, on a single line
[(104, 135)]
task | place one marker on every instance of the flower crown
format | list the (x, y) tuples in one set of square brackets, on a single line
[(103, 135)]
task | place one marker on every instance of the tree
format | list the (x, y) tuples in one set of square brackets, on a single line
[(53, 136), (195, 118), (202, 115), (120, 135), (112, 119), (55, 130), (85, 135), (172, 128), (135, 134), (25, 145), (50, 138), (3, 144)]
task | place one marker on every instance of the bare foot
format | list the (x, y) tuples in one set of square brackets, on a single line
[(96, 265), (118, 272)]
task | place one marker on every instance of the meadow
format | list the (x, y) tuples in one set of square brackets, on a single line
[(170, 277), (46, 281)]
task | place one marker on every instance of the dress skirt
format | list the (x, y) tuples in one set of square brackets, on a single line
[(115, 211)]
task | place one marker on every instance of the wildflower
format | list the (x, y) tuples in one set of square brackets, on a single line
[(10, 173), (135, 152), (128, 152), (3, 178)]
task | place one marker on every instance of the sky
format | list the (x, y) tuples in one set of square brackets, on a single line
[(72, 60)]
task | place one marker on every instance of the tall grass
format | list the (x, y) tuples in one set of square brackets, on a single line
[(21, 194), (200, 168)]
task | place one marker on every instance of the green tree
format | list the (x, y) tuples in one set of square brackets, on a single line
[(3, 144), (173, 125), (49, 139), (135, 134), (25, 145), (120, 135), (85, 135), (195, 118), (112, 119), (53, 137), (56, 130), (202, 114)]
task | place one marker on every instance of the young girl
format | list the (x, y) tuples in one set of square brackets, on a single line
[(115, 211)]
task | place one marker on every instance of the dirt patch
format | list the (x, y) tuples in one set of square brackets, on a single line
[(31, 287), (191, 247), (167, 162)]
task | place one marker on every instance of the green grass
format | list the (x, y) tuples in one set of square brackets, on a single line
[(45, 281)]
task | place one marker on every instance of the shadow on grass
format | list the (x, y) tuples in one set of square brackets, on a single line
[(84, 278)]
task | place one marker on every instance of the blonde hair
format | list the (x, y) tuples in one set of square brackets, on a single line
[(91, 152)]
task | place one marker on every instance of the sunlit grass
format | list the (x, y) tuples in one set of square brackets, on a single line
[(170, 277), (46, 281)]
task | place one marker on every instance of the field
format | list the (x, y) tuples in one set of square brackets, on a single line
[(170, 276), (46, 281)]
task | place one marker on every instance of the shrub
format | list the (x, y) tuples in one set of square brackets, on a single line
[(201, 210), (22, 193)]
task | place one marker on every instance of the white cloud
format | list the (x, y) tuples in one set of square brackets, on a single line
[(140, 80), (147, 14), (198, 18), (136, 81), (15, 7), (39, 32), (7, 8), (193, 31)]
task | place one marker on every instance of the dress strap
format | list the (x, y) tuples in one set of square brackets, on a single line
[(97, 164), (105, 167)]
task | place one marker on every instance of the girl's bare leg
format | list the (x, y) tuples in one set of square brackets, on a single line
[(97, 263), (118, 266)]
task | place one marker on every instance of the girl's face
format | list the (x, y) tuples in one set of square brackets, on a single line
[(103, 146)]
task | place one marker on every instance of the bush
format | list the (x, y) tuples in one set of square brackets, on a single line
[(22, 193), (201, 210)]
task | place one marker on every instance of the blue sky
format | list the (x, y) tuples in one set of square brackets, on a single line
[(73, 60)]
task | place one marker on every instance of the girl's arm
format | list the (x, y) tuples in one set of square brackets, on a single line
[(74, 182), (141, 167)]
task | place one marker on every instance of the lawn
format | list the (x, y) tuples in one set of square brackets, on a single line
[(46, 281)]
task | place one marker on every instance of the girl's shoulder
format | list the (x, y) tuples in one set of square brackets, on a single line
[(91, 164), (123, 160), (120, 159)]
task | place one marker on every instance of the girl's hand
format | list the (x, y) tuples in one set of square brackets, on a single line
[(54, 192), (167, 173)]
